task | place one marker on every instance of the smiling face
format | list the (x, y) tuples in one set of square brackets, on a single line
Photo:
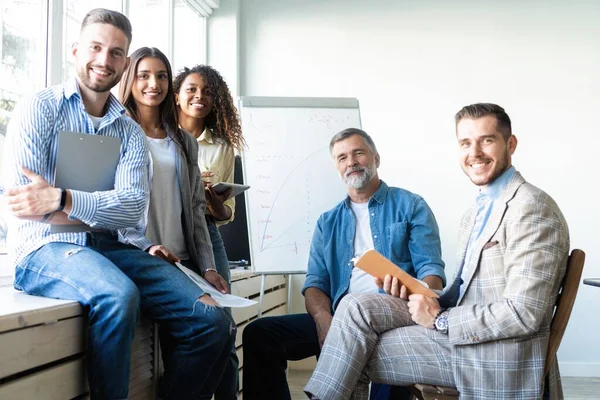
[(195, 99), (355, 161), (101, 56), (484, 153), (151, 83)]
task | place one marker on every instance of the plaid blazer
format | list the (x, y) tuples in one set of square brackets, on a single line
[(499, 327)]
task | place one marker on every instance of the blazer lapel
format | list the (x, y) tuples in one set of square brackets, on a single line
[(463, 237), (493, 223), (449, 297)]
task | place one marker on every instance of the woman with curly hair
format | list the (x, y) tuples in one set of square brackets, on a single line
[(207, 112), (174, 227)]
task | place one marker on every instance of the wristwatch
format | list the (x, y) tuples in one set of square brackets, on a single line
[(63, 200), (440, 323)]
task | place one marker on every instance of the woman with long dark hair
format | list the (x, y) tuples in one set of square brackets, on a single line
[(175, 226), (206, 110)]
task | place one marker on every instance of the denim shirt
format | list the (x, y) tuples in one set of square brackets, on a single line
[(404, 230)]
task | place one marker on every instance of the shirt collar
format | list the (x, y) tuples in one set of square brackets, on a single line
[(378, 196), (493, 190), (206, 135), (114, 108), (71, 88)]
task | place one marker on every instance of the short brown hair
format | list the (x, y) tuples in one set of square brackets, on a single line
[(111, 17), (480, 110)]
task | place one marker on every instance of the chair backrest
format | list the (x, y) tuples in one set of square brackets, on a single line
[(564, 304)]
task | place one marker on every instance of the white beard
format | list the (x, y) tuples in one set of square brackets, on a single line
[(359, 181)]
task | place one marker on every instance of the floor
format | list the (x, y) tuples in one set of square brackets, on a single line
[(574, 388)]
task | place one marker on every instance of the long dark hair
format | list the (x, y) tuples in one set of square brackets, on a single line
[(223, 120), (167, 109)]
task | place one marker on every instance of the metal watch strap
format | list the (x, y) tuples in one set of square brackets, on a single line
[(437, 317)]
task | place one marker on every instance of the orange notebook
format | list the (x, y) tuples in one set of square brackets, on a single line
[(378, 266)]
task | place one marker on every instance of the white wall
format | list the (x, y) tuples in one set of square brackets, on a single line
[(223, 42), (413, 64)]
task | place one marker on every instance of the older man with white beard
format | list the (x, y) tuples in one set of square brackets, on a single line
[(393, 221)]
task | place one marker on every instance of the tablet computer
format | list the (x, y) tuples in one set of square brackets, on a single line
[(222, 187)]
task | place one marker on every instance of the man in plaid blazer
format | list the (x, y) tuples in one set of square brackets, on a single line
[(488, 333)]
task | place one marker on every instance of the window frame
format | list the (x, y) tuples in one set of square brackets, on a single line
[(56, 46), (51, 57)]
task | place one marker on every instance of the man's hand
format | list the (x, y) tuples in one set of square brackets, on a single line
[(35, 198), (217, 281), (392, 287), (161, 251), (423, 309), (323, 323)]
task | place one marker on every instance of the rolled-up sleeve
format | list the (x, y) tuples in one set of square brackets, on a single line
[(227, 162), (317, 275), (424, 243)]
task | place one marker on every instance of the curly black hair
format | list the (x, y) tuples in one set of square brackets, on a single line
[(223, 120)]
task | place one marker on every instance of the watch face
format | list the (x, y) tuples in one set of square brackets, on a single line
[(441, 324)]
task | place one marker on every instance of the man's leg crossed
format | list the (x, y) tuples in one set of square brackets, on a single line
[(372, 337)]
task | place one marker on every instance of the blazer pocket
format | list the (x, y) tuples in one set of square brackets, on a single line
[(489, 245)]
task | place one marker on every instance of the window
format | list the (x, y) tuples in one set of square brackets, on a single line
[(189, 45), (183, 40), (22, 67), (35, 50), (151, 24)]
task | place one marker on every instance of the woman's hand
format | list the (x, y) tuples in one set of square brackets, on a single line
[(216, 280), (216, 203), (161, 251), (208, 178)]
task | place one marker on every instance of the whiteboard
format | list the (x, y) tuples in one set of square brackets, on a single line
[(291, 174)]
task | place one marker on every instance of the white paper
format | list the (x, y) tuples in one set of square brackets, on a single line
[(224, 300)]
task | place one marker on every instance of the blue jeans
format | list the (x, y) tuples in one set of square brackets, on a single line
[(229, 386), (114, 281)]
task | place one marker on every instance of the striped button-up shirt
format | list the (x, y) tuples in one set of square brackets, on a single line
[(32, 142)]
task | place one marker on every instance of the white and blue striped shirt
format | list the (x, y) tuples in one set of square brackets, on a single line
[(32, 142)]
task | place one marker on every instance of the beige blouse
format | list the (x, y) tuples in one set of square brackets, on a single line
[(216, 156)]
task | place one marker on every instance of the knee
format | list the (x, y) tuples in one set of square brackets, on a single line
[(357, 308), (215, 320), (121, 303), (254, 334), (351, 303)]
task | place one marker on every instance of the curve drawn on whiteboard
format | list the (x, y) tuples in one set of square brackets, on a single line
[(264, 247)]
